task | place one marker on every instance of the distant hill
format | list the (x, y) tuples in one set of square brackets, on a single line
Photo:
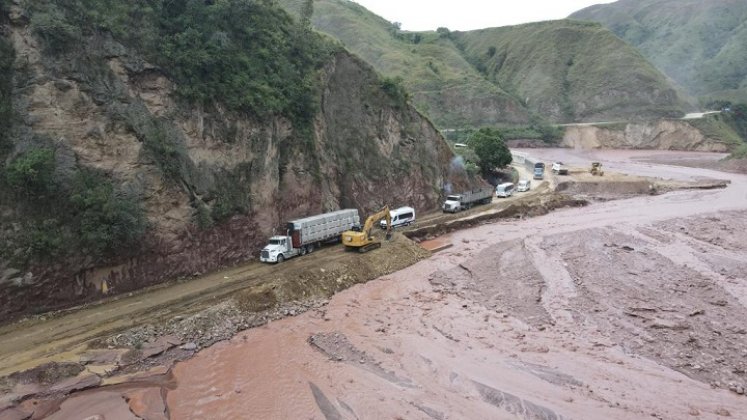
[(700, 44), (554, 71), (571, 71), (443, 84)]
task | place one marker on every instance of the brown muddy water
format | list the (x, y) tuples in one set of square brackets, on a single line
[(624, 309)]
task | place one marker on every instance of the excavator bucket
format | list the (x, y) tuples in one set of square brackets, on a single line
[(388, 235)]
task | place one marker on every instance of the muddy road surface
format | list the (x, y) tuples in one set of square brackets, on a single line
[(623, 309)]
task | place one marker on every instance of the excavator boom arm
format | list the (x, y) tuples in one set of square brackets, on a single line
[(381, 214)]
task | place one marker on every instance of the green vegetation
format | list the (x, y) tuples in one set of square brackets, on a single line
[(555, 71), (247, 58), (700, 44), (739, 153), (441, 82), (719, 127), (106, 220), (247, 55), (395, 90), (32, 174), (85, 213), (536, 131), (490, 150), (571, 71)]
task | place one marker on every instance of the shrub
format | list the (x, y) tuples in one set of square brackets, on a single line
[(396, 91), (32, 173), (45, 239), (105, 220)]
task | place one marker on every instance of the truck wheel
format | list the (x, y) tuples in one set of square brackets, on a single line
[(280, 258), (311, 248), (303, 250)]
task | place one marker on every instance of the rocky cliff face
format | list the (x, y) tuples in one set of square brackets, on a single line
[(227, 179), (661, 135)]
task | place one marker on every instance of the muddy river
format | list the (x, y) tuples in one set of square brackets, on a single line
[(624, 309)]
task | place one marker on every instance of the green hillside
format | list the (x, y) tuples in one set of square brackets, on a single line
[(700, 44), (571, 71), (442, 83), (510, 75)]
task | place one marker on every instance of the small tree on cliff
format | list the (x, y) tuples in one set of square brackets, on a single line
[(490, 149)]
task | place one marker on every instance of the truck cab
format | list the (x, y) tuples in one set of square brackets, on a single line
[(539, 173), (452, 204), (278, 249)]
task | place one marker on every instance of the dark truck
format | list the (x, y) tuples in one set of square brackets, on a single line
[(536, 167)]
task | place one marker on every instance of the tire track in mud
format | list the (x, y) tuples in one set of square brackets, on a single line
[(559, 285), (659, 300)]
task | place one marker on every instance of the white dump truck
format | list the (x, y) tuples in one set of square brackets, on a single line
[(305, 235), (465, 200)]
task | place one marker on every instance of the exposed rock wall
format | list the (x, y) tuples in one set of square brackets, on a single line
[(365, 150), (661, 134)]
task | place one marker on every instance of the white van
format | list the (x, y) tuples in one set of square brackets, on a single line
[(524, 185), (402, 216), (504, 190)]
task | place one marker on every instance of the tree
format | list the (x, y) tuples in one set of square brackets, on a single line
[(490, 149)]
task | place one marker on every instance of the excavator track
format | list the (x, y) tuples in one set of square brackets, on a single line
[(369, 247)]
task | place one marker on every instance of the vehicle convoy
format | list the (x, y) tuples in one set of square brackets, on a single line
[(305, 235), (359, 238), (504, 190), (596, 169), (403, 216), (559, 168), (524, 185), (465, 200)]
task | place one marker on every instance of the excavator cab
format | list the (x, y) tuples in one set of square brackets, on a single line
[(359, 238), (596, 169)]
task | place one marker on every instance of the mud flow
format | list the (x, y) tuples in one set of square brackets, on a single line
[(623, 309)]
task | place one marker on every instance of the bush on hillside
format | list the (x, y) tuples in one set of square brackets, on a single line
[(106, 220), (32, 173)]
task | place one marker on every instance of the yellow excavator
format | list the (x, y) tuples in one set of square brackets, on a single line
[(596, 169), (359, 237)]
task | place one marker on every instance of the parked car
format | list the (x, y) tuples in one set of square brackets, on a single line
[(504, 190)]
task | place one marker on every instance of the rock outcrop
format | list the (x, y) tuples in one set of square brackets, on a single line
[(661, 135), (99, 107)]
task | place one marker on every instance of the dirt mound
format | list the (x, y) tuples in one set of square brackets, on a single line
[(313, 281), (605, 188)]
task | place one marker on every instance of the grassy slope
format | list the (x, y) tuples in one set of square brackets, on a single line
[(455, 84), (700, 44), (443, 84), (572, 71)]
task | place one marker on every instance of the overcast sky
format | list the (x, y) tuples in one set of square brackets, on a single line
[(423, 15)]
